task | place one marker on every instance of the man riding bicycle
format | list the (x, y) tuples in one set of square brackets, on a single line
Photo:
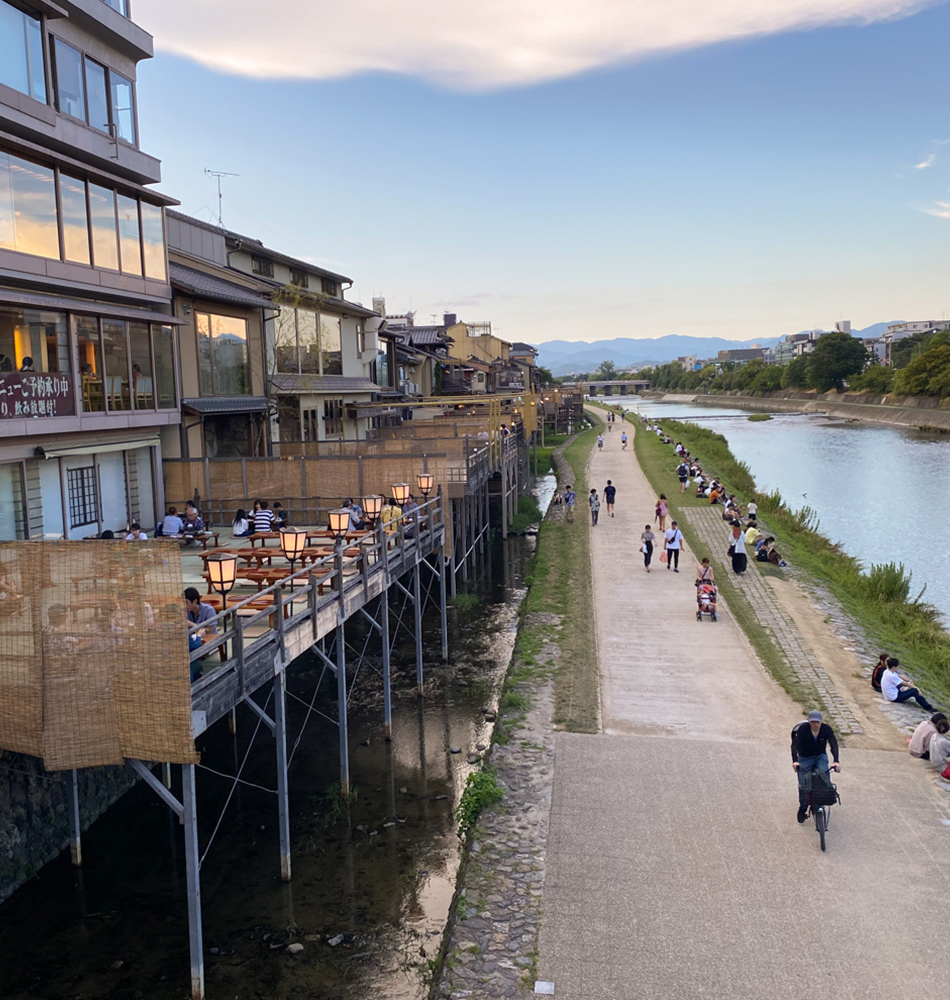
[(810, 741)]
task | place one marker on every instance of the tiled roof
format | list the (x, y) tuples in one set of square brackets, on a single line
[(226, 404), (207, 286), (323, 383)]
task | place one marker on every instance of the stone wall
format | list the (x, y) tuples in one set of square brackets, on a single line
[(34, 821)]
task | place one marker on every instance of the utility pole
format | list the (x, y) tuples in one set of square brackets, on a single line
[(218, 174)]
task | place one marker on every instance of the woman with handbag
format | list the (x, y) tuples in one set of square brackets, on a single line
[(737, 549), (647, 538)]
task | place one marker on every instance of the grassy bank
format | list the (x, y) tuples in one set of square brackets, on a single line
[(560, 584), (880, 597)]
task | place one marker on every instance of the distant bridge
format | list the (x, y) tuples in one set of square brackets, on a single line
[(620, 387)]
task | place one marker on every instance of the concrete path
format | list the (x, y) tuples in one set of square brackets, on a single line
[(675, 867)]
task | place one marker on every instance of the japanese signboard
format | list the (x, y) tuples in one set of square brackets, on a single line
[(24, 394)]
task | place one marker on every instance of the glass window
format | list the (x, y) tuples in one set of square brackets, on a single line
[(32, 340), (299, 278), (123, 113), (120, 5), (70, 90), (102, 210), (97, 96), (330, 345), (164, 367), (143, 390), (153, 241), (307, 342), (382, 369), (263, 266), (72, 199), (285, 341), (116, 357), (332, 417), (21, 52), (222, 355), (27, 207), (90, 364), (330, 287), (83, 496), (130, 242)]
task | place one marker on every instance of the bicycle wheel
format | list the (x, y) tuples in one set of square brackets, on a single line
[(820, 825)]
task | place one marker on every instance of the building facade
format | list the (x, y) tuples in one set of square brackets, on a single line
[(88, 345)]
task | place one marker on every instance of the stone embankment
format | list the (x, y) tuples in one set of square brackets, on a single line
[(923, 412)]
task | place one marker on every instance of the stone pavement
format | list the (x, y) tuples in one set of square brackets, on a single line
[(675, 867), (775, 620)]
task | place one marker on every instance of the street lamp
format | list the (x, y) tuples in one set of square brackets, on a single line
[(372, 505), (222, 572), (339, 522), (425, 482), (400, 493), (292, 542)]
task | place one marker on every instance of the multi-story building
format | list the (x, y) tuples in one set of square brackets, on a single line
[(900, 331), (796, 344), (88, 365)]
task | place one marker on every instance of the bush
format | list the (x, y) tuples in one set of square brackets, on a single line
[(878, 380), (481, 789), (888, 583)]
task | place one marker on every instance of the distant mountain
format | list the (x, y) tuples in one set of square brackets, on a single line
[(564, 356)]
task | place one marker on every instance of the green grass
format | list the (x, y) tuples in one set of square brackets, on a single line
[(481, 789), (756, 417), (882, 599), (529, 513)]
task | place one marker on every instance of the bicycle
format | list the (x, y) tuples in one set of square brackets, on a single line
[(820, 797)]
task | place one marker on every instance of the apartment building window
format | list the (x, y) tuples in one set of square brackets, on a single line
[(89, 91), (121, 6), (308, 343), (299, 278), (262, 266), (21, 52), (330, 287), (83, 496), (96, 220), (332, 417), (27, 207), (222, 355)]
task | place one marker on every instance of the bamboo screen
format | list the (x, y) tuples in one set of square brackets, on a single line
[(94, 653)]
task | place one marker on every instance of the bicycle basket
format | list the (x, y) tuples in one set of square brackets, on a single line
[(819, 791)]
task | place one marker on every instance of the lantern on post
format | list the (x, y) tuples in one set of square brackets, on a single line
[(372, 505), (339, 523), (400, 493), (292, 543), (222, 572), (425, 483)]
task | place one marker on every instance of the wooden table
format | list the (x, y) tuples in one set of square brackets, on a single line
[(262, 536)]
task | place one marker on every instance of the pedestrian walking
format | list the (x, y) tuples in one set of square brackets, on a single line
[(610, 495), (737, 549), (647, 538), (570, 499), (600, 442), (662, 509), (623, 441), (682, 470), (594, 502), (673, 539)]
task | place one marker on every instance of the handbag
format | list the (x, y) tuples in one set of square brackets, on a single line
[(731, 551), (643, 548), (945, 773), (663, 557)]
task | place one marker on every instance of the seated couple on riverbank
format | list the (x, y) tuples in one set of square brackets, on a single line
[(765, 551), (930, 743)]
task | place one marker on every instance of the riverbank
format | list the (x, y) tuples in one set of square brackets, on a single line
[(922, 412)]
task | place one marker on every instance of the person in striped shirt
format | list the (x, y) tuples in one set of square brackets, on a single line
[(263, 518)]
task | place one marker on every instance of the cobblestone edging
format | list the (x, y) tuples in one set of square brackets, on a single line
[(776, 621)]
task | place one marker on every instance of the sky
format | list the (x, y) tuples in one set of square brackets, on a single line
[(574, 171)]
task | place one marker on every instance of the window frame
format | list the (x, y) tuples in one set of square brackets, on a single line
[(214, 379), (41, 20), (262, 266), (299, 278), (88, 476)]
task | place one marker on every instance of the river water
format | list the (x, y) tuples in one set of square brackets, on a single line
[(881, 492), (381, 872)]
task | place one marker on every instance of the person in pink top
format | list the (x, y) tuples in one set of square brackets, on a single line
[(919, 745)]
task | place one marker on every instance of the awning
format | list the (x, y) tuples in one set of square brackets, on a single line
[(356, 412), (207, 286), (92, 448), (84, 306), (225, 404)]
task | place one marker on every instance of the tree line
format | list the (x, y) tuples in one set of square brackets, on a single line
[(920, 366)]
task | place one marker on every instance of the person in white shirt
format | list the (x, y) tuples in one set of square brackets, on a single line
[(673, 539), (752, 510), (135, 533), (240, 527), (895, 688)]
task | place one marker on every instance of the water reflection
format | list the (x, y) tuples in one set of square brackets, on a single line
[(879, 491)]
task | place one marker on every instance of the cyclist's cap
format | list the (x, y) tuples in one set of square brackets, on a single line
[(815, 716)]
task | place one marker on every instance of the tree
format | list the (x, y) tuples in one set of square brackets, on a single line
[(878, 379), (543, 376), (927, 375), (795, 373), (607, 371), (836, 357), (903, 351)]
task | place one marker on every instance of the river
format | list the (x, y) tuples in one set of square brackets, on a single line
[(881, 492), (381, 872)]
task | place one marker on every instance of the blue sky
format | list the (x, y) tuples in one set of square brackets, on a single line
[(743, 188)]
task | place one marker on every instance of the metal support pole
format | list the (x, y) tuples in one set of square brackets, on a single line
[(384, 640), (443, 564), (75, 833), (283, 801), (167, 775), (417, 610), (463, 522), (232, 722), (342, 698), (193, 878)]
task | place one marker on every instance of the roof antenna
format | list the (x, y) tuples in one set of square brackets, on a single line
[(218, 174)]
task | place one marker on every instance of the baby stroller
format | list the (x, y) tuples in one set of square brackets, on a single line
[(706, 602)]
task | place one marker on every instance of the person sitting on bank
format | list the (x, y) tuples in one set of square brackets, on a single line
[(752, 533), (896, 688), (919, 743), (135, 533), (938, 750), (878, 669)]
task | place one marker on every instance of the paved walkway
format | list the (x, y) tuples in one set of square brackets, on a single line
[(675, 867)]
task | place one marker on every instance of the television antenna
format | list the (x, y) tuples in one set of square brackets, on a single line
[(218, 174)]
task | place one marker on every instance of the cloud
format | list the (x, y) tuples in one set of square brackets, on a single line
[(473, 44), (927, 161), (941, 209)]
